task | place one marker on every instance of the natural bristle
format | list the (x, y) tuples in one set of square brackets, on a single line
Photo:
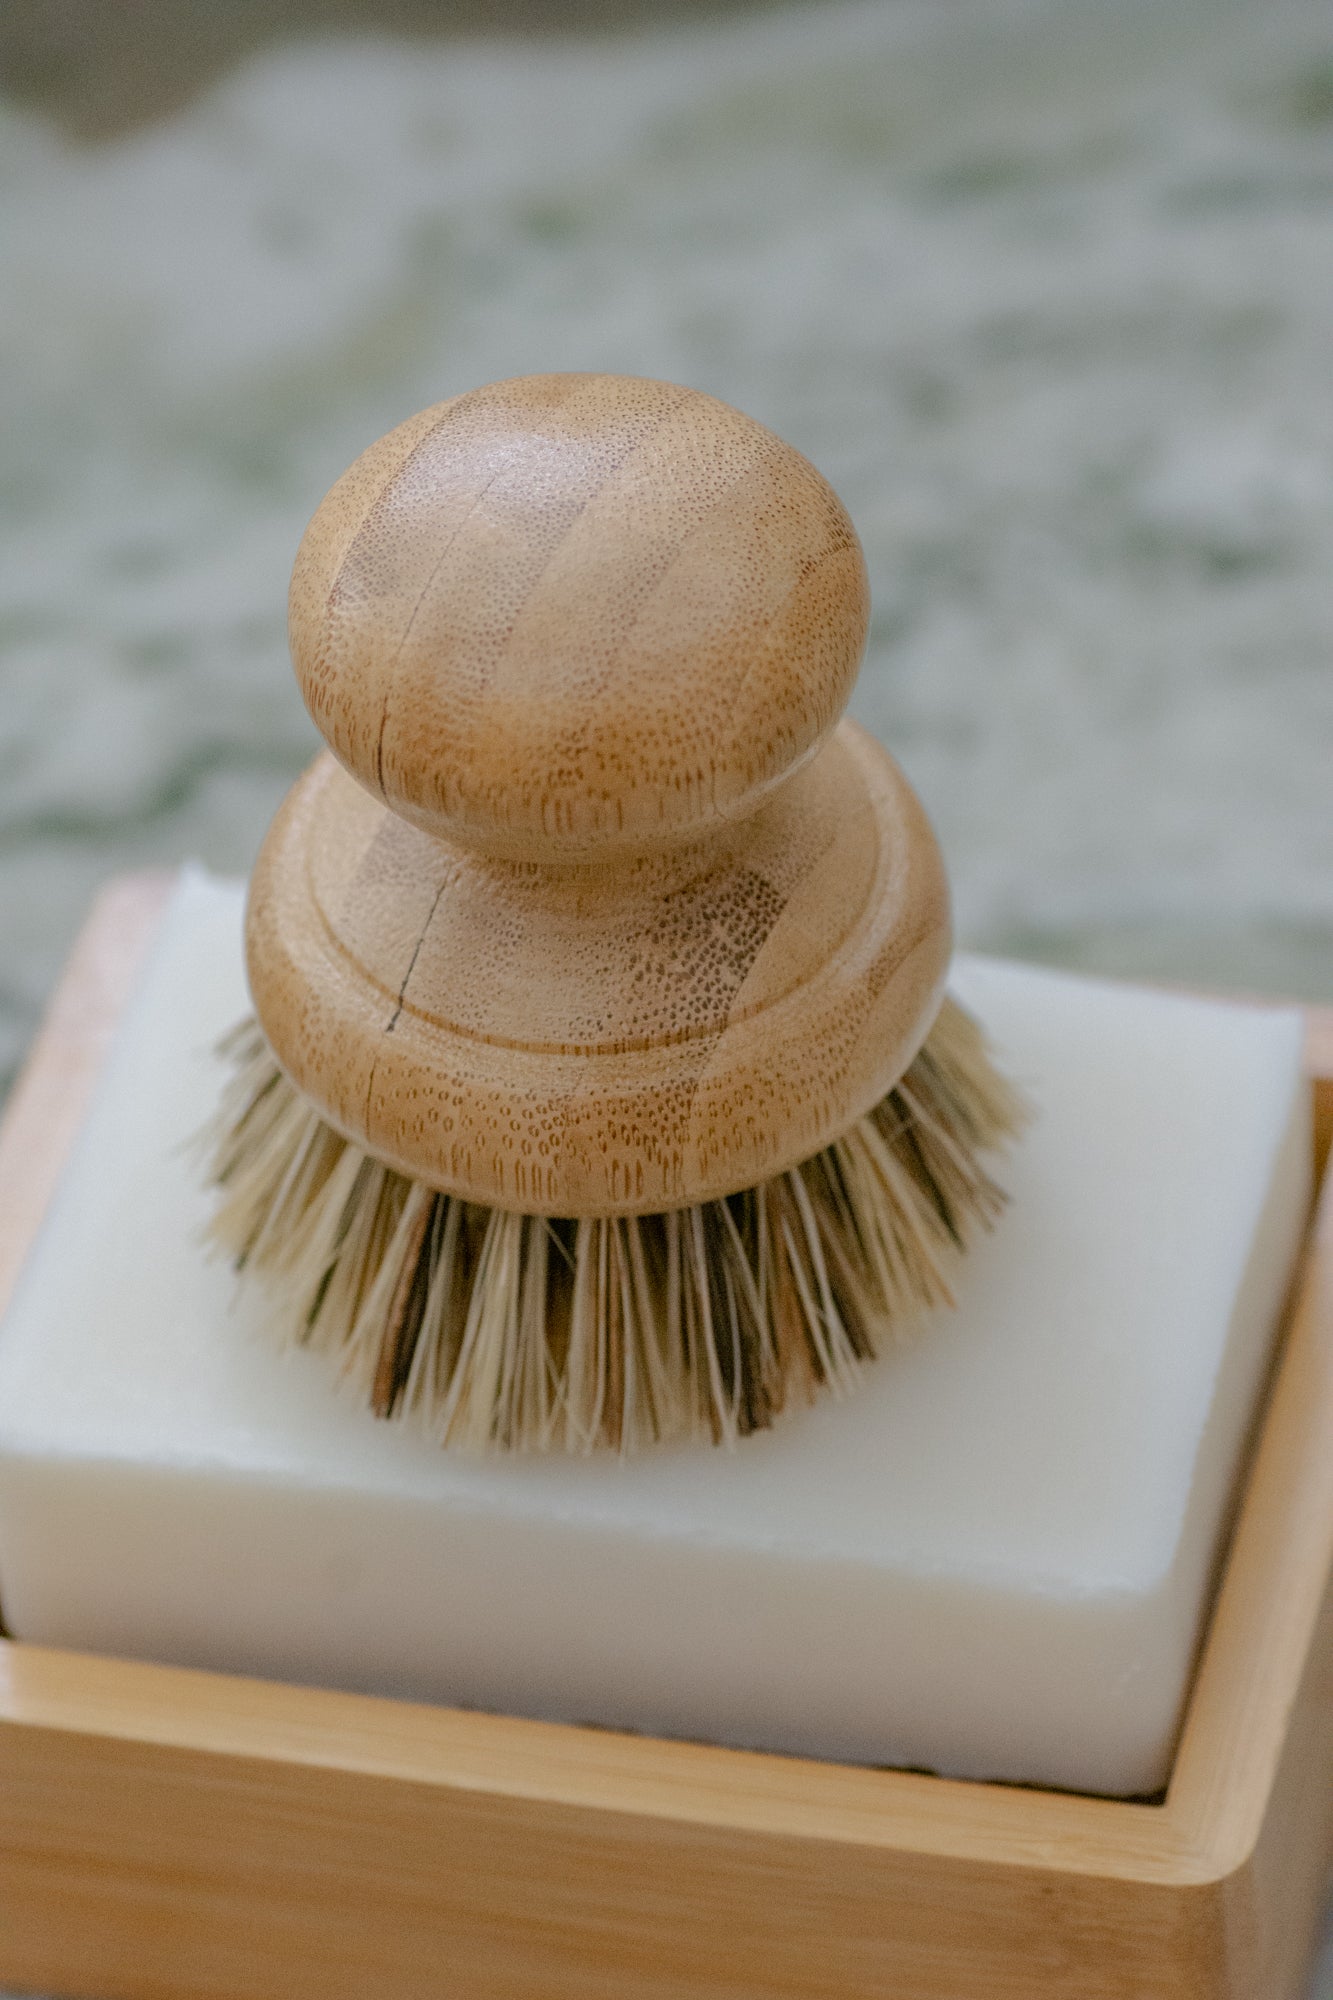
[(519, 1332)]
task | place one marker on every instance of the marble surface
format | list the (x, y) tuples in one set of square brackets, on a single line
[(1042, 285)]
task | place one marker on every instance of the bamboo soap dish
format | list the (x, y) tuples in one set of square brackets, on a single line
[(167, 1831)]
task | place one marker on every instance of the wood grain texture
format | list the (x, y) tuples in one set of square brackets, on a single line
[(168, 1833), (580, 1042), (570, 614), (610, 921)]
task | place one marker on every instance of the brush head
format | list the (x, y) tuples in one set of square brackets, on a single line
[(602, 1091), (604, 914), (504, 1331)]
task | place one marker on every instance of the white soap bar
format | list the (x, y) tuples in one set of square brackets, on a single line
[(993, 1562)]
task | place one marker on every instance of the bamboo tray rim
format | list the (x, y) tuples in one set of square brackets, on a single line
[(1254, 1652)]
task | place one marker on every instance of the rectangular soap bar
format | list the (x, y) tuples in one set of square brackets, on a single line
[(992, 1562)]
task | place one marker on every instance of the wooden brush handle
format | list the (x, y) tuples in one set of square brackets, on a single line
[(576, 615), (612, 919)]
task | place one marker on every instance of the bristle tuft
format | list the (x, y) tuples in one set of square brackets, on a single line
[(498, 1331)]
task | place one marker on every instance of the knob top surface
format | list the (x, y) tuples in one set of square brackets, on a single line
[(567, 614)]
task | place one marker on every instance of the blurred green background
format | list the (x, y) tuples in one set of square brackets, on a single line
[(1044, 286)]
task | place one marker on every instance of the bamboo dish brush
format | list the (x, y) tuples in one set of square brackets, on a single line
[(602, 1087)]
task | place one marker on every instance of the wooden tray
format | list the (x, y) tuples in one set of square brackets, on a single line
[(187, 1834)]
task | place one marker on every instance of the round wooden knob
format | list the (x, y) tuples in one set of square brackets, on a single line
[(571, 614), (595, 926)]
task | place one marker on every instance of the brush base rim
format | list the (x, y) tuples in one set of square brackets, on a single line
[(595, 1131)]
